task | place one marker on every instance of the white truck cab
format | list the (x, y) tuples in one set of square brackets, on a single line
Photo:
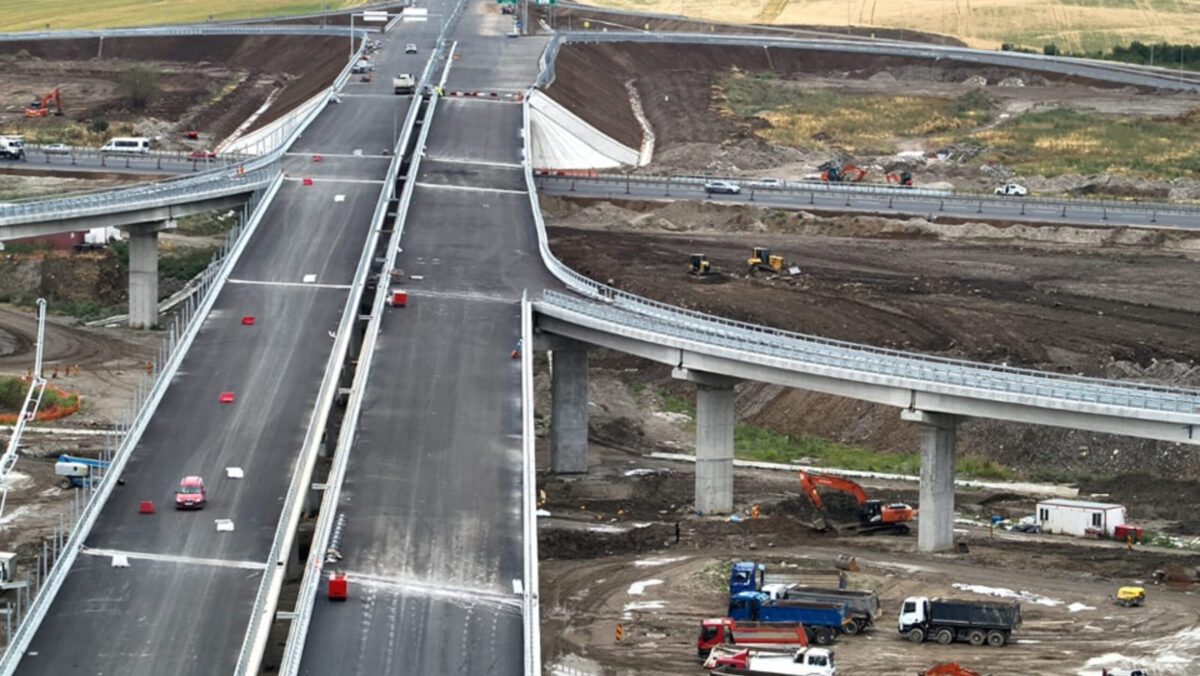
[(1012, 189)]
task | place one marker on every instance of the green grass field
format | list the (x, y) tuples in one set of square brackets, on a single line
[(60, 14)]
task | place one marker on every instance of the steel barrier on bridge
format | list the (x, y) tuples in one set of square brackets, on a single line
[(120, 443), (327, 513), (180, 30), (970, 199)]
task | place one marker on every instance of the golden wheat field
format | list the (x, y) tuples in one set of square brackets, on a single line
[(22, 15), (1073, 25)]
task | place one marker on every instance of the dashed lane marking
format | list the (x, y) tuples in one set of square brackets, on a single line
[(308, 285), (470, 188)]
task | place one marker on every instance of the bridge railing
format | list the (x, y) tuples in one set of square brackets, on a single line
[(622, 183), (120, 441)]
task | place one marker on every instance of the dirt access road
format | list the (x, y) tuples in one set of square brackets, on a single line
[(609, 557)]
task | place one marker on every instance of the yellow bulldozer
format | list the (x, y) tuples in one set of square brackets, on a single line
[(1131, 596), (762, 259)]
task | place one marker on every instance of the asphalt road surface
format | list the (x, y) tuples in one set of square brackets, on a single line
[(183, 605), (891, 202), (432, 493)]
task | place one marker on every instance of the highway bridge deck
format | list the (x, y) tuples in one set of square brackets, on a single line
[(433, 488)]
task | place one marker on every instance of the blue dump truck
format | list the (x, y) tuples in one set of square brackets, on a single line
[(948, 620), (824, 620), (861, 606)]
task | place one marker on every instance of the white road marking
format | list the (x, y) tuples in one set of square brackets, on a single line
[(339, 198), (357, 156), (434, 589), (172, 558), (465, 295), (333, 180), (305, 285), (461, 160), (442, 186)]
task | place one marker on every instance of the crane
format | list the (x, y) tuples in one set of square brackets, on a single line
[(37, 385), (874, 516), (41, 108)]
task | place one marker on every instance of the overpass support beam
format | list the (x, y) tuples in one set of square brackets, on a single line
[(935, 531), (715, 420), (143, 272), (569, 408)]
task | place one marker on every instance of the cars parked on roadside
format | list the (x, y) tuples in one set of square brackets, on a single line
[(723, 187), (57, 149), (1012, 189)]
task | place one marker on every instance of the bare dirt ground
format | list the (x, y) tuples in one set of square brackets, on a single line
[(677, 88), (211, 84), (1115, 303)]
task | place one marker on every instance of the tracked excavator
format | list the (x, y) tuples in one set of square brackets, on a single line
[(903, 179), (874, 516), (41, 107), (845, 174)]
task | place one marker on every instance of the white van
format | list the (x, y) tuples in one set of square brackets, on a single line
[(127, 144)]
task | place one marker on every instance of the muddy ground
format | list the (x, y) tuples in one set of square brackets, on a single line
[(209, 83)]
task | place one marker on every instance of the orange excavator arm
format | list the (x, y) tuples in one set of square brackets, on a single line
[(859, 174), (948, 669), (809, 483)]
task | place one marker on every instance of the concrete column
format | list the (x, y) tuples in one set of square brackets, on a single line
[(935, 528), (714, 449), (569, 409), (143, 273)]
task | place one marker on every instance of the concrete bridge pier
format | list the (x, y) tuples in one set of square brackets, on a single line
[(143, 272), (715, 421), (569, 407), (935, 532)]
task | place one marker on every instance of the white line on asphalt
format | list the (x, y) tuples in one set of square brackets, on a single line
[(459, 160), (171, 558), (349, 155), (443, 186), (435, 589), (308, 285), (56, 430), (459, 295), (332, 180)]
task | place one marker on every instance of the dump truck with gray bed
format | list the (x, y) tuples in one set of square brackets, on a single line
[(949, 620)]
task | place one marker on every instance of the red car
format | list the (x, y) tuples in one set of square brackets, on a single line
[(190, 494), (202, 155)]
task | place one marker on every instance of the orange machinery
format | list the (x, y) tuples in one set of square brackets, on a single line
[(41, 108), (874, 516)]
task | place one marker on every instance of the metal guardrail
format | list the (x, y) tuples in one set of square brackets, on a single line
[(632, 311), (182, 330), (314, 571), (1102, 70), (971, 199)]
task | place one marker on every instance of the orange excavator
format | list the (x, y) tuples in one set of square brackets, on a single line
[(41, 108), (874, 516), (904, 178), (948, 669), (846, 174)]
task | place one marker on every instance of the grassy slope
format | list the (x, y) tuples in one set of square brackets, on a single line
[(29, 15), (1071, 24)]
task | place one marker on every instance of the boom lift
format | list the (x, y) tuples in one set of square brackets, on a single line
[(77, 471), (41, 108), (874, 516)]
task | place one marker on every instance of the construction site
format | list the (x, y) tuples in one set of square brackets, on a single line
[(629, 570)]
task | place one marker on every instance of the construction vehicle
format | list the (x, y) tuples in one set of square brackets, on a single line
[(762, 259), (1131, 596), (77, 472), (699, 265), (41, 107), (844, 174), (747, 662), (404, 83), (862, 606), (874, 516), (948, 669), (904, 179), (948, 620), (12, 147), (726, 630), (826, 620)]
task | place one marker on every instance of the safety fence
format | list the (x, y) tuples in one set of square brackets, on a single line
[(61, 549)]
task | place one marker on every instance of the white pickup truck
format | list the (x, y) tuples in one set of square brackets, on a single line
[(1012, 189), (404, 83), (749, 662)]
